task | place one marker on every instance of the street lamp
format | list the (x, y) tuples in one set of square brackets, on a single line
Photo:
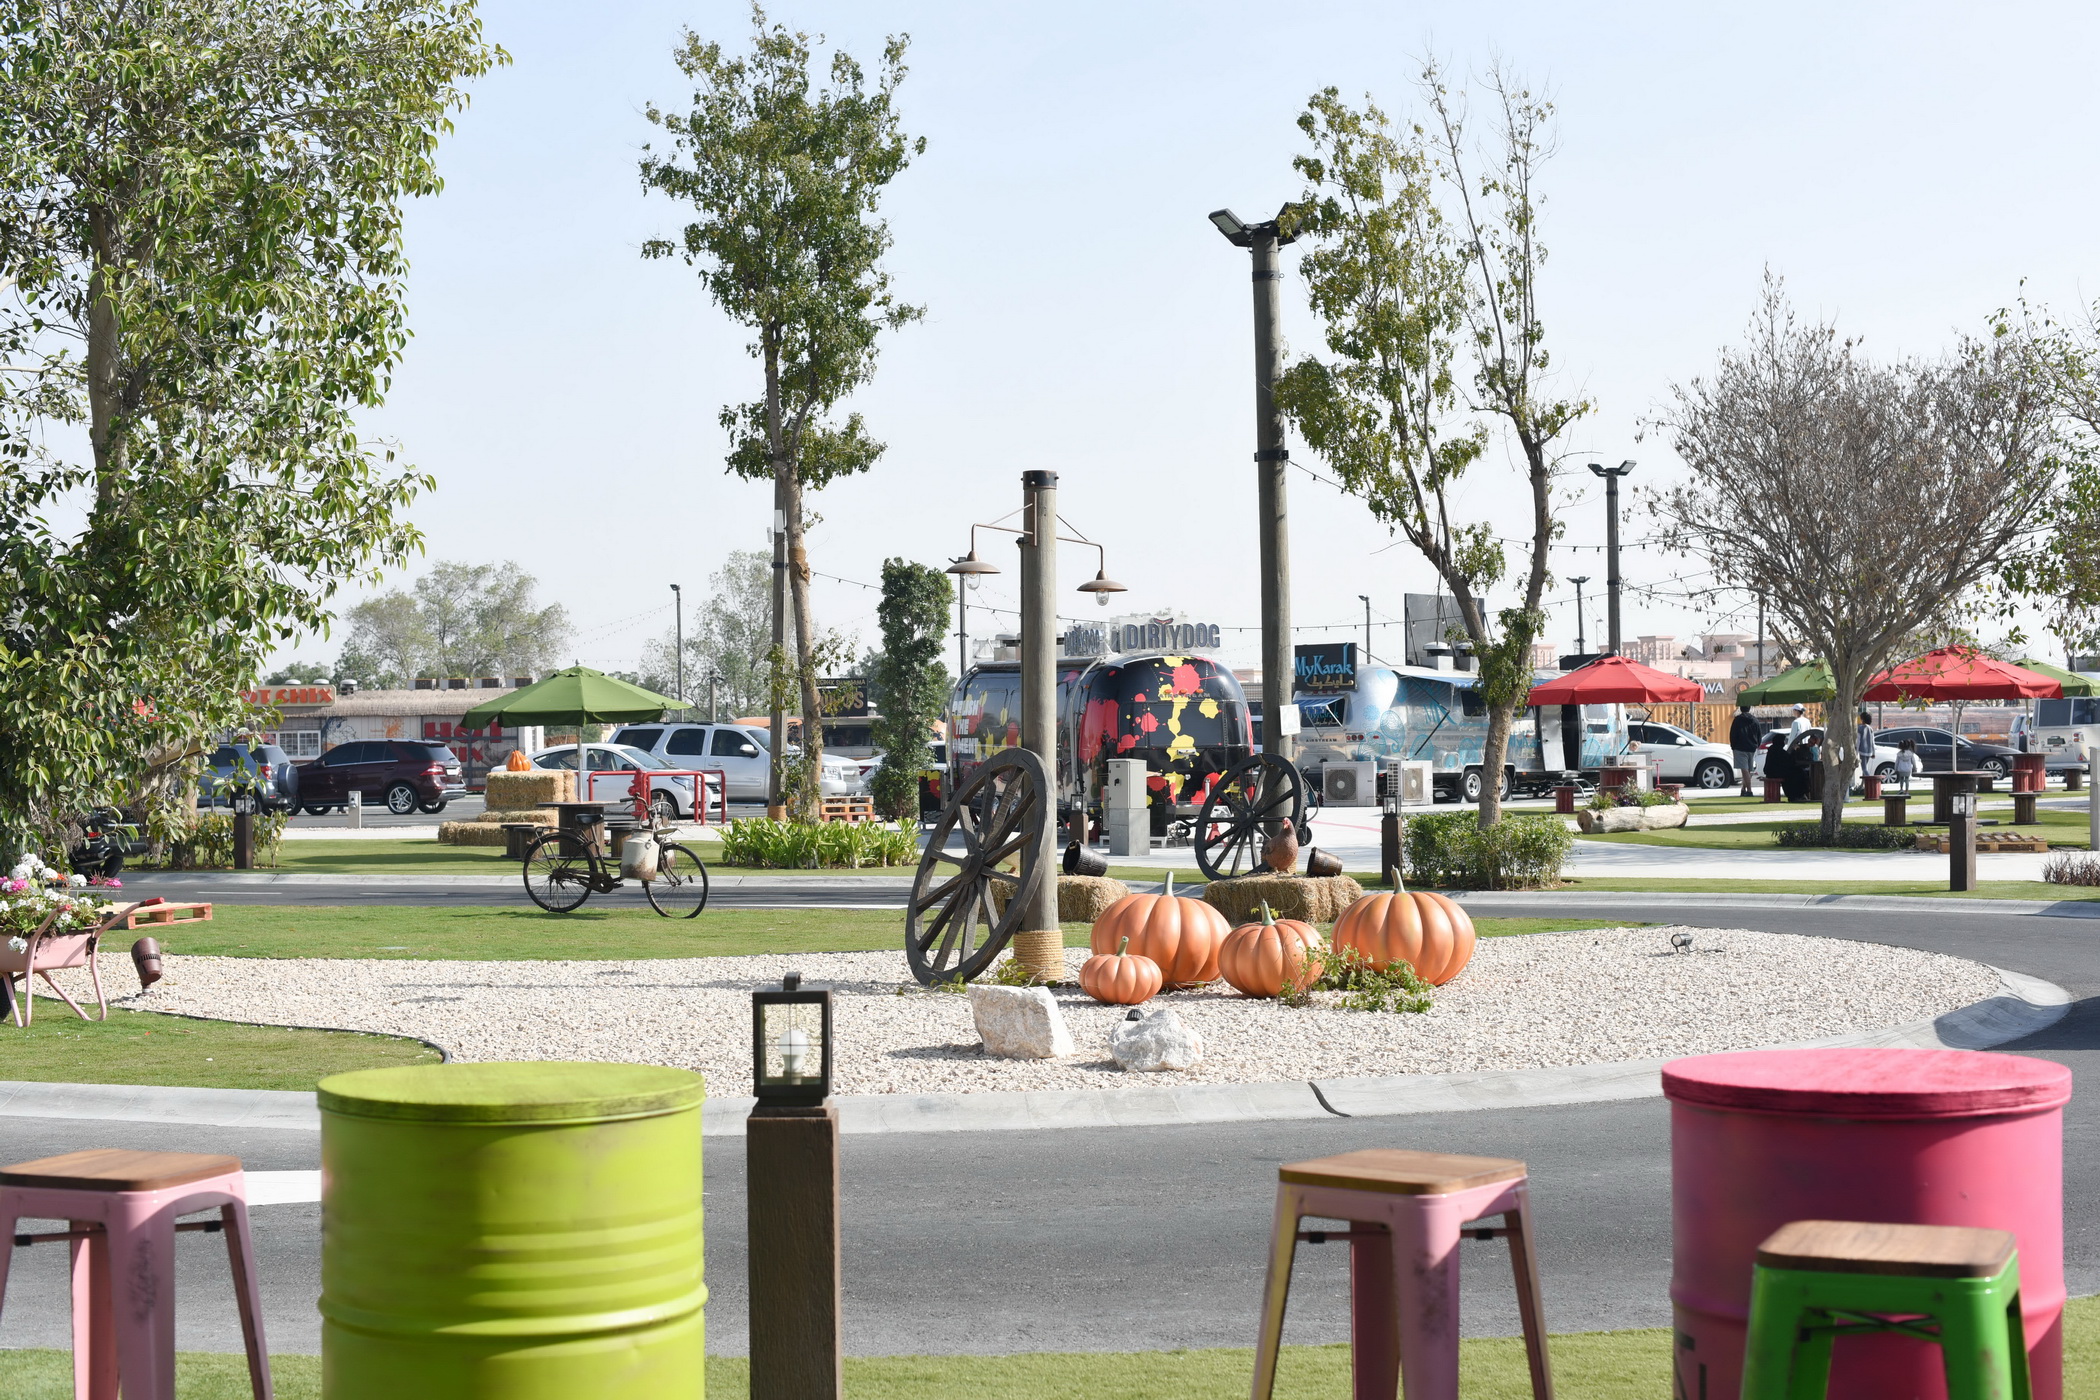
[(791, 1044), (1611, 477), (968, 569), (678, 645), (1581, 638), (1271, 462), (1365, 599)]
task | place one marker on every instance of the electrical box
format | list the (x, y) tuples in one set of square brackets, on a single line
[(1349, 784), (1126, 790)]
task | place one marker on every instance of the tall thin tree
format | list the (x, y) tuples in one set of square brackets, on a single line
[(787, 180)]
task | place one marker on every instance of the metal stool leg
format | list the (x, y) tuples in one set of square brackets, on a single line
[(1374, 1312), (1531, 1298), (247, 1291), (1276, 1288), (94, 1322)]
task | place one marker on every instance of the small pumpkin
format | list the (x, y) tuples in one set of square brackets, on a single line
[(1427, 931), (1121, 978), (1260, 959), (1179, 933), (517, 762)]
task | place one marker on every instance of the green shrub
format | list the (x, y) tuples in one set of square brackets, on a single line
[(1348, 970), (1849, 838), (766, 844), (1517, 853), (203, 840)]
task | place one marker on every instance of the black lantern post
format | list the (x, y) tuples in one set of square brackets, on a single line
[(791, 1155)]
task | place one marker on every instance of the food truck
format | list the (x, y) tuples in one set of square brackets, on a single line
[(1181, 712), (1350, 712)]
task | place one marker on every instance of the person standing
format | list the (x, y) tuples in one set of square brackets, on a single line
[(1743, 735), (1800, 725), (1863, 736)]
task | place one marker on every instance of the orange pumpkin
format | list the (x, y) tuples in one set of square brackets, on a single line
[(1181, 934), (1259, 959), (517, 762), (1426, 931), (1122, 978)]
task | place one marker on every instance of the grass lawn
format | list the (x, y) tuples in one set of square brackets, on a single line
[(478, 932), (1586, 1366), (138, 1047), (1986, 889), (2068, 829)]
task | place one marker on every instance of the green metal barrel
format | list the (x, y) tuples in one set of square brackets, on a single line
[(519, 1231)]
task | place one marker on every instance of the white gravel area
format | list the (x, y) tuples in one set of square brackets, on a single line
[(1524, 1002)]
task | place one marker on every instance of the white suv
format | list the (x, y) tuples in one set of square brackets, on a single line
[(740, 751)]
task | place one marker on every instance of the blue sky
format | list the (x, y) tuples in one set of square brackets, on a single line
[(1905, 168)]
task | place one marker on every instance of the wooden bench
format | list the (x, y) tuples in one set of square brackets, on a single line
[(846, 809), (156, 912)]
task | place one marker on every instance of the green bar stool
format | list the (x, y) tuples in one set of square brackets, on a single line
[(1953, 1286)]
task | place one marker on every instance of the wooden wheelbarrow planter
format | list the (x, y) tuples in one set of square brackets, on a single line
[(48, 952)]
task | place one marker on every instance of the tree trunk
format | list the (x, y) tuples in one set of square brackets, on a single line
[(776, 712), (1493, 756), (104, 370), (1841, 756), (805, 655)]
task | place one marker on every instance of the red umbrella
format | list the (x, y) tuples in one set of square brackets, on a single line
[(1614, 680), (1960, 673)]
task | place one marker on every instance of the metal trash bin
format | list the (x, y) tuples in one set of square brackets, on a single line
[(526, 1231)]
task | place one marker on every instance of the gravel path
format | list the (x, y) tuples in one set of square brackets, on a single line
[(1524, 1002)]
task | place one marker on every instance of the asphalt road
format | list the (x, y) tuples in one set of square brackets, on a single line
[(1154, 1237)]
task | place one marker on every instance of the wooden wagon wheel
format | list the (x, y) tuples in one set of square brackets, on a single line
[(952, 930), (1245, 807)]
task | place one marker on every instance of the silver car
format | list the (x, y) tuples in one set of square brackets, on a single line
[(1686, 758)]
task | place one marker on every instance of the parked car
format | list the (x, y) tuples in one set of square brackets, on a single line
[(1884, 754), (1686, 758), (265, 767), (1936, 751), (106, 840), (740, 751), (611, 777), (408, 775)]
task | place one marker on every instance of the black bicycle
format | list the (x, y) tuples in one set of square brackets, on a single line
[(563, 869)]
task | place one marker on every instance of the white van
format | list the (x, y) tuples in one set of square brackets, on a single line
[(2065, 731)]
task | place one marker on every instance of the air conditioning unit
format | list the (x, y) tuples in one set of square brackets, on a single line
[(1352, 784), (1410, 777)]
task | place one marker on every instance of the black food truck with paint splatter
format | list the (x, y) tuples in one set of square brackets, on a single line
[(1185, 716)]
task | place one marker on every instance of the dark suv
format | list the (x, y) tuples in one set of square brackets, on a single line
[(408, 776), (264, 767)]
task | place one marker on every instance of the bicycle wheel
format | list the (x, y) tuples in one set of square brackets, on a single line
[(557, 875), (680, 887)]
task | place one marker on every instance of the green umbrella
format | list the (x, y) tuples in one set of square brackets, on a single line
[(1798, 686), (577, 696), (2074, 684)]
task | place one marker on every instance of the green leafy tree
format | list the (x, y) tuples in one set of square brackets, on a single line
[(910, 679), (1420, 268), (456, 620), (727, 639), (201, 285), (787, 180)]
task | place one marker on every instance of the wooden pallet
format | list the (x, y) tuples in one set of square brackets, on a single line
[(1987, 843), (153, 915), (846, 809)]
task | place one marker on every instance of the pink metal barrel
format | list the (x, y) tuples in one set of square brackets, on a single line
[(1929, 1137)]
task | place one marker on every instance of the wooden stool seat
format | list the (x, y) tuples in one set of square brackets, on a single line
[(1401, 1172), (1407, 1213), (117, 1169), (1909, 1251), (1956, 1288)]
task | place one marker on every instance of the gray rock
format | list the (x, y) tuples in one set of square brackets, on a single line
[(1020, 1023), (1156, 1042)]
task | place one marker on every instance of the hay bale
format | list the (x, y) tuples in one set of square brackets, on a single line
[(514, 792), (536, 816), (1317, 900), (469, 834), (1080, 898)]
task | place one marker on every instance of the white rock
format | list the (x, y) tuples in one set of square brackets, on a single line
[(1156, 1042), (1020, 1023)]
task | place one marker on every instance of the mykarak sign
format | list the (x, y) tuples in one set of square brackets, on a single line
[(1327, 666)]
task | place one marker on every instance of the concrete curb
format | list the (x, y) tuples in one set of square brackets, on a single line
[(155, 879), (2023, 1006)]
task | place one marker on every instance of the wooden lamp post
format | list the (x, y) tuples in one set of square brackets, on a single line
[(791, 1156)]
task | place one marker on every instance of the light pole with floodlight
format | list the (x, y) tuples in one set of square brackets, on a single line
[(1611, 477)]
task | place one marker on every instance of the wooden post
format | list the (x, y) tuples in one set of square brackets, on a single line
[(791, 1162), (1961, 851), (1389, 849)]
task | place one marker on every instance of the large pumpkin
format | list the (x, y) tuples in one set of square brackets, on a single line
[(1121, 978), (1259, 959), (1181, 934), (1426, 931)]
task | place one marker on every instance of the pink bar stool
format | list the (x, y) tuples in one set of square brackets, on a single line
[(120, 1209), (1407, 1212)]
